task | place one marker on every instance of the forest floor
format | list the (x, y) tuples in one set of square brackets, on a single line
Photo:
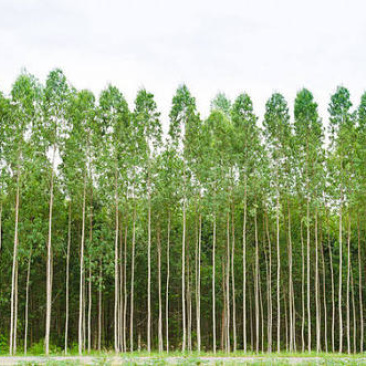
[(135, 359)]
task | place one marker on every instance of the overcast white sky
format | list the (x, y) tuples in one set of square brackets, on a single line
[(258, 46)]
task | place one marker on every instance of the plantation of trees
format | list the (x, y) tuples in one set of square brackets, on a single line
[(226, 233)]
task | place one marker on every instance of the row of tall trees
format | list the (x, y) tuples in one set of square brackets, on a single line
[(225, 233)]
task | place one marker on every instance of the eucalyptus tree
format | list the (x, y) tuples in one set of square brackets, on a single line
[(361, 136), (308, 130), (79, 160), (340, 123), (182, 115), (147, 119), (25, 93), (56, 98), (114, 119), (245, 144), (220, 141), (278, 132)]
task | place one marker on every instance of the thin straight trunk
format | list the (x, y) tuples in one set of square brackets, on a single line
[(290, 289), (149, 267), (125, 292), (233, 276), (67, 280), (214, 285), (49, 262), (27, 302), (348, 286), (16, 310), (189, 303), (100, 305), (228, 283), (308, 271), (244, 267), (167, 286), (160, 320), (278, 270), (256, 284), (269, 332), (184, 269), (14, 270), (116, 274), (132, 274), (90, 303), (324, 300), (354, 313), (302, 289), (332, 292), (81, 282), (262, 315), (340, 278), (199, 281), (360, 286), (286, 317), (317, 289)]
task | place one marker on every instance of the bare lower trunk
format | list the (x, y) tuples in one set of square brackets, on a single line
[(278, 272), (244, 267), (160, 319), (149, 270), (67, 280), (227, 288), (302, 290), (233, 277), (324, 300), (340, 281), (360, 284), (214, 285), (49, 262), (308, 271), (292, 333), (14, 271), (132, 278), (332, 292), (256, 285), (183, 273), (81, 282), (125, 292), (348, 320), (199, 283), (27, 302), (167, 286), (100, 289), (317, 296), (90, 300), (116, 274), (269, 330)]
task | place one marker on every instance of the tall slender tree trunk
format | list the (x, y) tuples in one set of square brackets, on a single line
[(308, 271), (167, 286), (214, 284), (49, 261), (348, 320), (160, 319), (90, 299), (14, 271), (270, 317), (27, 301), (125, 292), (233, 276), (360, 284), (302, 289), (116, 274), (184, 269), (317, 289), (332, 291), (256, 285), (290, 288), (354, 313), (81, 282), (244, 266), (100, 291), (149, 267), (227, 287), (324, 299), (198, 310), (278, 270), (132, 275), (340, 278), (67, 280)]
